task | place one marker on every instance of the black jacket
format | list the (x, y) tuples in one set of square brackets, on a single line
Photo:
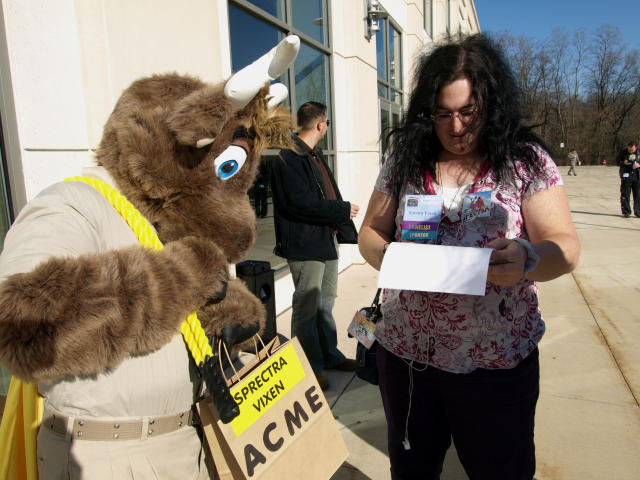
[(625, 155), (303, 217)]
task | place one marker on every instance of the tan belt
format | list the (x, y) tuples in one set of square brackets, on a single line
[(126, 428)]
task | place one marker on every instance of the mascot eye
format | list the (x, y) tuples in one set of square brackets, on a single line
[(229, 162)]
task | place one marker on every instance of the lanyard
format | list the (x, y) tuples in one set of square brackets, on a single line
[(429, 183)]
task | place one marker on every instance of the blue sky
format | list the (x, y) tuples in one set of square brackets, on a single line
[(537, 18)]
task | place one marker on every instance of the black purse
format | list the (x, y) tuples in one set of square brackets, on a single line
[(366, 366), (346, 232)]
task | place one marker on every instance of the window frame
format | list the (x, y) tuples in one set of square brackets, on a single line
[(428, 19), (388, 22), (286, 28), (386, 106)]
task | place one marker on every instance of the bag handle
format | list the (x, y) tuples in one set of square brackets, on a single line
[(235, 372), (256, 337)]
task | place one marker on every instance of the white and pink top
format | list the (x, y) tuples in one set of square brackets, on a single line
[(460, 333)]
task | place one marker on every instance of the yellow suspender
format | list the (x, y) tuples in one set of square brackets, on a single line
[(192, 331)]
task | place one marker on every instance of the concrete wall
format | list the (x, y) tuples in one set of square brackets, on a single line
[(68, 61)]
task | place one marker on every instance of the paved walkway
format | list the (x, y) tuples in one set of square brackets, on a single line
[(588, 416)]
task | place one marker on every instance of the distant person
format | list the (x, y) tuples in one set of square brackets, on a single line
[(259, 191), (307, 207), (465, 367), (574, 160), (628, 162)]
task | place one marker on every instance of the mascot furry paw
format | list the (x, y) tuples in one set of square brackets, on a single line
[(94, 318)]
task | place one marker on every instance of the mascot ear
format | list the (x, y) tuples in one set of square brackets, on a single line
[(277, 93), (200, 116), (203, 142)]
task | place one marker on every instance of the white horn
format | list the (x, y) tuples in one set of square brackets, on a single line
[(245, 84), (277, 93)]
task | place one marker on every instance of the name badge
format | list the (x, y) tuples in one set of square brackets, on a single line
[(477, 204), (422, 215), (625, 175), (362, 328)]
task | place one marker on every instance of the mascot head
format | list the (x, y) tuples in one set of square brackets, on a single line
[(185, 153)]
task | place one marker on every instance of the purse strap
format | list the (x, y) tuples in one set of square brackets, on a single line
[(375, 305), (376, 299)]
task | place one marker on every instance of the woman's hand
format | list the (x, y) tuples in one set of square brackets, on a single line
[(506, 266), (550, 230)]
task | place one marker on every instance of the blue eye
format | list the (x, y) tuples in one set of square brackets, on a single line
[(229, 162), (227, 169)]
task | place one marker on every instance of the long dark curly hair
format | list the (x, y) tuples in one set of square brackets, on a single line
[(414, 145)]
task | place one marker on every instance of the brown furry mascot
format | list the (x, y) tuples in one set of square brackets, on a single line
[(94, 318)]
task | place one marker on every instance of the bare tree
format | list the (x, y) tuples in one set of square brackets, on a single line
[(579, 89), (612, 80)]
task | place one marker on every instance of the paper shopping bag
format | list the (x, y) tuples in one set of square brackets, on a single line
[(285, 428)]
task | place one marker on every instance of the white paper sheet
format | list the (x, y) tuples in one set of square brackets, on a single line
[(435, 268)]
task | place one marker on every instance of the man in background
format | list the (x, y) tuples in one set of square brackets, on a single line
[(629, 179), (574, 161), (259, 191), (307, 207)]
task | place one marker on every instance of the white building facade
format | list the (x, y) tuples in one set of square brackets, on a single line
[(64, 63)]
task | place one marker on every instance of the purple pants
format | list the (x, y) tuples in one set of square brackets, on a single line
[(488, 413)]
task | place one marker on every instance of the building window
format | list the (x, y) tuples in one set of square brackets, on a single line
[(428, 17), (5, 201), (255, 26), (389, 64)]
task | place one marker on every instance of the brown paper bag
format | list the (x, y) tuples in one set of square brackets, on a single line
[(285, 428)]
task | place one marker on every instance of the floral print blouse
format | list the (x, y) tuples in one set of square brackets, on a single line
[(460, 333)]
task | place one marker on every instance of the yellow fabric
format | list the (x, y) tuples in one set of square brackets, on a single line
[(18, 431)]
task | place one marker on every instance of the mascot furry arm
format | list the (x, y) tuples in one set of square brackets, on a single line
[(184, 153)]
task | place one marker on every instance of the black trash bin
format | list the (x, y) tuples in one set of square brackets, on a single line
[(258, 276)]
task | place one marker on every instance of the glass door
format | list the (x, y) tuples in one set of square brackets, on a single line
[(390, 115), (5, 222)]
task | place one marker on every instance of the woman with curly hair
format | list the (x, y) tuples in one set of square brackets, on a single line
[(464, 366)]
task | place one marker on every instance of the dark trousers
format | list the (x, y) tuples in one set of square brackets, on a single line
[(489, 414), (260, 200), (628, 186)]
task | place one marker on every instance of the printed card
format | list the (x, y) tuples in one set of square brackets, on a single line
[(361, 327), (476, 204)]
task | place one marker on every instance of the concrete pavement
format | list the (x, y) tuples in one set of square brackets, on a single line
[(588, 415)]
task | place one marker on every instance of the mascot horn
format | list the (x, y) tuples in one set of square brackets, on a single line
[(94, 318)]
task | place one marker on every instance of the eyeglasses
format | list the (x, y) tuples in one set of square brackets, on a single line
[(328, 122), (466, 116)]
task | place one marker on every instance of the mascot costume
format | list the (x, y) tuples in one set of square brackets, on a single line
[(96, 320)]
